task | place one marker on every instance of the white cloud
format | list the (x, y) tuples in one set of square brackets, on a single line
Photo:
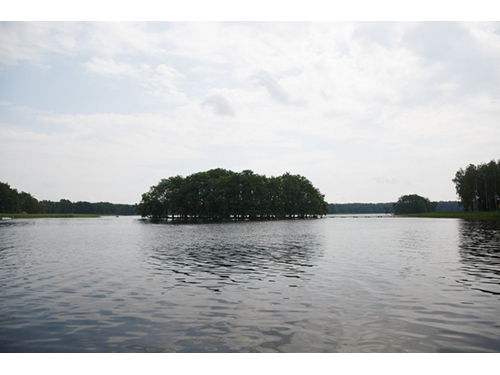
[(162, 81), (220, 105), (110, 39), (32, 41), (108, 67), (272, 86)]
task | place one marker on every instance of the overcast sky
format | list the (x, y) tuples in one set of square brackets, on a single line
[(367, 111)]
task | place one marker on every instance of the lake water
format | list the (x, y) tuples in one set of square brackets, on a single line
[(376, 284)]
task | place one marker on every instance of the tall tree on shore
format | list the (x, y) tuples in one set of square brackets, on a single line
[(9, 199), (478, 187), (28, 203)]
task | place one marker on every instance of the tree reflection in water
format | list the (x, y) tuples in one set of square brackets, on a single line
[(215, 255), (479, 249)]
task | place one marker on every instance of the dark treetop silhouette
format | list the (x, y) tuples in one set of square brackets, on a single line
[(413, 204), (479, 186), (13, 202), (220, 194)]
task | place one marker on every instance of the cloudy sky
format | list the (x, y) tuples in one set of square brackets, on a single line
[(368, 111)]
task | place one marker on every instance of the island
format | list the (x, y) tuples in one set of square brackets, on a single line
[(220, 194)]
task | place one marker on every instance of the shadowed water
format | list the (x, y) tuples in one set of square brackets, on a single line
[(326, 285)]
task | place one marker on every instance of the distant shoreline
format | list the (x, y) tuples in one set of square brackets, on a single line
[(489, 215), (37, 216), (437, 215)]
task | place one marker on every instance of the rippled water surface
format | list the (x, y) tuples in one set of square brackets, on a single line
[(325, 285)]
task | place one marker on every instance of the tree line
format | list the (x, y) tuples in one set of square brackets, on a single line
[(479, 186), (385, 208), (220, 194), (65, 206), (360, 208), (13, 202)]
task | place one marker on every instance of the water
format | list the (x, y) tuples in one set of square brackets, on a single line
[(322, 285)]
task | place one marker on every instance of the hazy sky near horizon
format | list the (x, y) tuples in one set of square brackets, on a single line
[(367, 111)]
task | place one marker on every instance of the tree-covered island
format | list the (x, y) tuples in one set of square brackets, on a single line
[(413, 204), (220, 194)]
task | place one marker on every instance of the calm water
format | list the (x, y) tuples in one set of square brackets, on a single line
[(326, 285)]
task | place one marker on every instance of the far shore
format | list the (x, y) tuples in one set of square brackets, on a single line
[(438, 215), (37, 216), (489, 215)]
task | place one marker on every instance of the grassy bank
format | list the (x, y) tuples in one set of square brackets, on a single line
[(36, 216), (458, 215)]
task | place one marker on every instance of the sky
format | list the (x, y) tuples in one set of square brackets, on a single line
[(367, 111)]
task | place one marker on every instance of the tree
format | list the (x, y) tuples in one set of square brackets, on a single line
[(28, 203), (478, 187), (65, 206), (9, 199), (413, 204)]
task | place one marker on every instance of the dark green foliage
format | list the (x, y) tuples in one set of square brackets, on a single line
[(9, 199), (29, 204), (450, 206), (220, 194), (360, 208), (65, 206), (13, 202), (413, 204), (478, 187), (384, 208)]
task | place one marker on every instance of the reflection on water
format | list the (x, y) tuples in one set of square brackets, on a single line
[(480, 254), (233, 253), (343, 285)]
